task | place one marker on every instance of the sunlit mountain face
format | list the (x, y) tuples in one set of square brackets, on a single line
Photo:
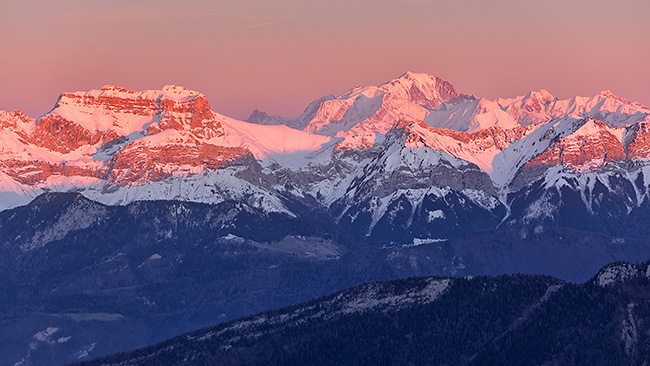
[(399, 154), (131, 216)]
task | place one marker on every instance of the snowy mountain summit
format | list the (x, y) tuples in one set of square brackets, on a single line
[(411, 159), (361, 113), (364, 111)]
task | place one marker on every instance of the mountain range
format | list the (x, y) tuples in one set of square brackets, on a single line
[(128, 217), (412, 156)]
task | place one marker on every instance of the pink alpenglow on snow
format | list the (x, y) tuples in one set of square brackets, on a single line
[(279, 56), (116, 145)]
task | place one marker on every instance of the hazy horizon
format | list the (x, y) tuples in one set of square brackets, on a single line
[(279, 56)]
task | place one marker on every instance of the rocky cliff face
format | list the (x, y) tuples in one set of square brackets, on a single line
[(404, 179), (593, 145), (362, 112), (638, 141), (100, 116), (61, 135), (140, 164), (366, 111), (413, 155), (115, 137)]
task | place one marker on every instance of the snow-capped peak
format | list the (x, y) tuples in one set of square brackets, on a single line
[(542, 94), (118, 136), (607, 94), (369, 110), (420, 78), (361, 113)]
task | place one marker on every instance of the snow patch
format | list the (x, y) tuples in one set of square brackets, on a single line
[(540, 209), (84, 352), (371, 297), (233, 237), (79, 215), (617, 272), (482, 199), (418, 241), (433, 215), (45, 335), (282, 144)]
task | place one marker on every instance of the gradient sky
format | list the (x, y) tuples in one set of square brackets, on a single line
[(277, 56)]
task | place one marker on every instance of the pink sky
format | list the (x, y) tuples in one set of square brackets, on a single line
[(277, 56)]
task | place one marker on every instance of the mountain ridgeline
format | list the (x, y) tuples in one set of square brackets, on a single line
[(408, 160), (128, 217)]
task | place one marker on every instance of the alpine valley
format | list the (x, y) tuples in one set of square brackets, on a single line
[(129, 217)]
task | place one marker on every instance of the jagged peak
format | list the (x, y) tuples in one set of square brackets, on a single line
[(422, 88), (572, 128), (591, 125), (16, 120), (542, 94), (258, 116), (418, 78), (258, 112), (16, 113), (607, 94)]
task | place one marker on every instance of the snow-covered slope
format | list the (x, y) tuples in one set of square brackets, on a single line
[(412, 154), (117, 146), (282, 144), (361, 113)]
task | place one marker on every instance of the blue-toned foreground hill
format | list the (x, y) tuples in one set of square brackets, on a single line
[(505, 320), (82, 279)]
